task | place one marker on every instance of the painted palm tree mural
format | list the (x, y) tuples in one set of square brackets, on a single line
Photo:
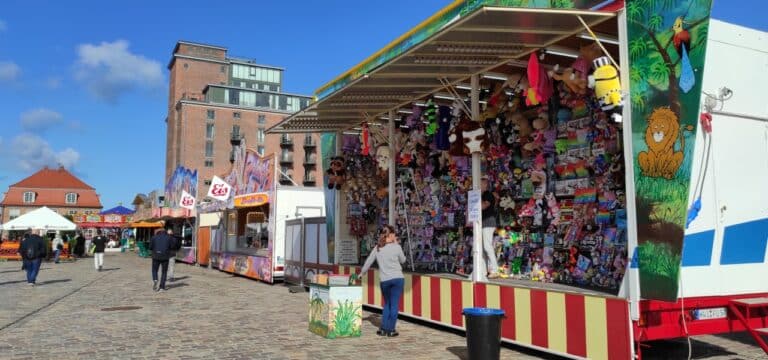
[(667, 48)]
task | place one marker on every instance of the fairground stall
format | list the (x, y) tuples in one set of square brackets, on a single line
[(246, 231), (178, 215), (584, 117), (42, 221)]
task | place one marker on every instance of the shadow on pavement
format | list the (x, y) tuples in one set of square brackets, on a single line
[(175, 285), (54, 281), (678, 349), (12, 282), (181, 278), (461, 352), (110, 269), (10, 271), (374, 319)]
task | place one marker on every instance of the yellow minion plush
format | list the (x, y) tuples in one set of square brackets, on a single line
[(605, 81)]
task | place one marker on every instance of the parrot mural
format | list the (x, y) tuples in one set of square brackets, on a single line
[(682, 42)]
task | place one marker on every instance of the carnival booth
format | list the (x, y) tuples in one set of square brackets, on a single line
[(43, 220), (249, 239), (536, 102)]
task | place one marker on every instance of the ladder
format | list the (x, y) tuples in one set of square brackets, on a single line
[(403, 207), (750, 306)]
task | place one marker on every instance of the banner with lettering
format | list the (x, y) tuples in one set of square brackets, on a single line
[(187, 201)]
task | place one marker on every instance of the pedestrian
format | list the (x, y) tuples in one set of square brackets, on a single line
[(32, 252), (80, 244), (21, 242), (99, 243), (390, 257), (160, 248), (489, 226), (57, 245), (175, 245)]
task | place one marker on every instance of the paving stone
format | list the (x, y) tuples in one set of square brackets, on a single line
[(207, 314)]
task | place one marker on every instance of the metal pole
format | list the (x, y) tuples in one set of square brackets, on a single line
[(478, 265), (392, 168)]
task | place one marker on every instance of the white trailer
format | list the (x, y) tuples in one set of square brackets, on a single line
[(292, 202)]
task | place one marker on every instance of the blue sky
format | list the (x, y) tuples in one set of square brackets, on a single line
[(84, 83)]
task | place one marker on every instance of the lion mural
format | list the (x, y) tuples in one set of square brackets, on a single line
[(661, 159)]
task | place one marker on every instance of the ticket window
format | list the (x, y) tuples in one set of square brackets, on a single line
[(254, 238)]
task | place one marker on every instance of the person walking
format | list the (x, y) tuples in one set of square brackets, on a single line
[(172, 257), (489, 226), (99, 243), (160, 248), (57, 245), (80, 245), (390, 257), (32, 252)]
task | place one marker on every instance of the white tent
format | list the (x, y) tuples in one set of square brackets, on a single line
[(39, 219)]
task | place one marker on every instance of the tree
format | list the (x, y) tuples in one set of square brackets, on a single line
[(664, 69)]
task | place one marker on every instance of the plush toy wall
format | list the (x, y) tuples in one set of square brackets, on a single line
[(554, 166)]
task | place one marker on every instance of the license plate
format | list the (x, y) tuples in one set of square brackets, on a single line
[(708, 314)]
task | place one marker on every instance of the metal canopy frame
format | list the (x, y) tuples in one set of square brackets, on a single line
[(487, 39)]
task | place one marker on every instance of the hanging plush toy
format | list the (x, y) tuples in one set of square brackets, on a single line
[(605, 81), (576, 84), (444, 118), (337, 173), (531, 97), (430, 117), (366, 140)]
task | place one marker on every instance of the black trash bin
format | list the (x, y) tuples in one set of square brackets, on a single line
[(483, 332)]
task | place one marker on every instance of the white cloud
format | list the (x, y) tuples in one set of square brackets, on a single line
[(109, 70), (31, 152), (9, 71), (40, 119), (53, 83)]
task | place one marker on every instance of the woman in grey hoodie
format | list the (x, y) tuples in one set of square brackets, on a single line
[(389, 255)]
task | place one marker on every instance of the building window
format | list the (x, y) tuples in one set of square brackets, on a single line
[(72, 212), (223, 69), (262, 119), (236, 115), (209, 148), (209, 131), (209, 163), (211, 114), (235, 131), (71, 198), (260, 150), (260, 134), (186, 66), (14, 213), (87, 212), (29, 197), (207, 182)]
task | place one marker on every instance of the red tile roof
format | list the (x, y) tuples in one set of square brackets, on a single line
[(52, 178), (51, 187)]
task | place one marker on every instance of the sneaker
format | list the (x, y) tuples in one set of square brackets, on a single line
[(31, 284), (154, 285), (392, 333), (381, 332), (162, 290)]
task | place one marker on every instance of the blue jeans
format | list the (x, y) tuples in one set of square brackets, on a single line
[(56, 254), (391, 290), (33, 268)]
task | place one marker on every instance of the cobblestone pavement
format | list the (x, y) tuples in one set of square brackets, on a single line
[(208, 314)]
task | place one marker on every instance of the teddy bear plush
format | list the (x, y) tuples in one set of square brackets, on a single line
[(467, 137), (337, 173)]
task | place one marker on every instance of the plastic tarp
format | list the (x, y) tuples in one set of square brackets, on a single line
[(42, 218)]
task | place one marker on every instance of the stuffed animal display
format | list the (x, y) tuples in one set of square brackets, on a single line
[(336, 173)]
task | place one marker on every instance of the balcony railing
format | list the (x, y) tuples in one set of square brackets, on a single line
[(194, 96), (310, 161), (286, 179), (310, 142), (286, 159), (309, 179)]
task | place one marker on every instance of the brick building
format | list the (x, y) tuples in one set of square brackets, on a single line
[(57, 189), (214, 98)]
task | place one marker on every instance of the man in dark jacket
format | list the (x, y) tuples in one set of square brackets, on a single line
[(160, 247), (100, 243), (80, 245), (32, 252)]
